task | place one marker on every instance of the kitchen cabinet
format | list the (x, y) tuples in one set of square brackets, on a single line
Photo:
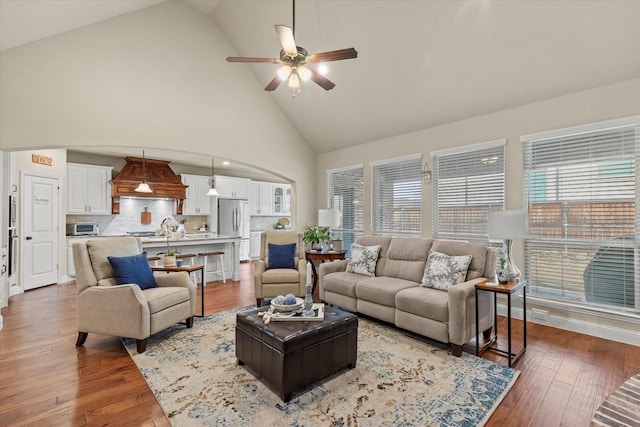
[(197, 201), (261, 198), (281, 199), (254, 242), (88, 189), (231, 187)]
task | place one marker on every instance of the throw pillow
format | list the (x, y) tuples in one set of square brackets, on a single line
[(282, 256), (444, 271), (363, 259), (133, 269)]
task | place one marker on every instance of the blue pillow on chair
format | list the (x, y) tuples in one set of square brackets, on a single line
[(282, 256), (133, 269)]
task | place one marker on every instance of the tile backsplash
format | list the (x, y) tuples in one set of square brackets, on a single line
[(129, 217)]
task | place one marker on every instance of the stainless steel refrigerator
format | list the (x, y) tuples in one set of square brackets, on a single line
[(233, 220)]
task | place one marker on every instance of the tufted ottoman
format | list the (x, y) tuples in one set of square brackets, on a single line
[(291, 355)]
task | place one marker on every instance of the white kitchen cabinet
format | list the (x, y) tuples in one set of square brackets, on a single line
[(197, 201), (260, 198), (255, 244), (232, 187), (281, 199), (88, 189), (245, 250)]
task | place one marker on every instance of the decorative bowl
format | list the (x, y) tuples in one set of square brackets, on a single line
[(292, 307)]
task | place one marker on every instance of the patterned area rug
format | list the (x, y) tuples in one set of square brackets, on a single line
[(399, 379), (622, 407)]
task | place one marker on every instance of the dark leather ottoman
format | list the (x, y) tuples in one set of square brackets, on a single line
[(290, 355)]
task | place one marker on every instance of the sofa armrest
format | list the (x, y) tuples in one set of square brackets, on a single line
[(179, 279), (462, 311), (327, 268), (97, 304)]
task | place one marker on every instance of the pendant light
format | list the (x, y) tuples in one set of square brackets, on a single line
[(143, 187), (212, 191)]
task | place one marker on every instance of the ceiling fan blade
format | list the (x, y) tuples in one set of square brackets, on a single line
[(321, 80), (249, 59), (286, 40), (334, 55), (273, 84)]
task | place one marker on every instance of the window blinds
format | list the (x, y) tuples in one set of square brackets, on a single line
[(397, 196), (466, 185), (346, 193), (581, 191)]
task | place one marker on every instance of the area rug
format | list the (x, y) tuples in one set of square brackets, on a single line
[(399, 379), (622, 407)]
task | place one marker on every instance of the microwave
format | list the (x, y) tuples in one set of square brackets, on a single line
[(83, 229)]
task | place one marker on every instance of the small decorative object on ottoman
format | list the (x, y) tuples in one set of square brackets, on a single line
[(291, 355)]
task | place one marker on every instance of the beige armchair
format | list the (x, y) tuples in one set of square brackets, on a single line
[(280, 281), (105, 307)]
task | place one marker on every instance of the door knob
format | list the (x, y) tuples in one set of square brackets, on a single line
[(28, 238)]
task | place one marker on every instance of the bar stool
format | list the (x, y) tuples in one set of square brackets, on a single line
[(153, 260), (220, 261), (191, 258)]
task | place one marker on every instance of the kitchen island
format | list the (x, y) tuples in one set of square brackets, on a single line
[(201, 243), (190, 244)]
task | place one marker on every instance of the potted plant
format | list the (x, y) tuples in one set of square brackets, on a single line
[(315, 236), (168, 227)]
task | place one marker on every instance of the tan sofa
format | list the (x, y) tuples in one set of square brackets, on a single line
[(126, 310), (394, 295)]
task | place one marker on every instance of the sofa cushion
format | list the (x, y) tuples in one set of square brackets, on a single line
[(282, 256), (382, 290), (363, 259), (383, 242), (443, 271), (425, 302), (342, 283), (478, 252), (406, 258), (133, 269), (161, 298), (281, 275)]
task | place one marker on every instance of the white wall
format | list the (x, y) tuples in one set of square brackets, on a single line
[(152, 78), (604, 103)]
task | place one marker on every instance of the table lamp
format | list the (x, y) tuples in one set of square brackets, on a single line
[(329, 218), (508, 225)]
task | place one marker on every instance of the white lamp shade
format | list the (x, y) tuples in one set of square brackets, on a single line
[(329, 218), (143, 187), (508, 224)]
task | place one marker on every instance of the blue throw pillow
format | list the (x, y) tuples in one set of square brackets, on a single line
[(133, 269), (282, 256)]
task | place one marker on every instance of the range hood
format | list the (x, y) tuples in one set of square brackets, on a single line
[(164, 183)]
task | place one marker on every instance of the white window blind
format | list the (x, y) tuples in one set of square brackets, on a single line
[(467, 185), (346, 194), (397, 196), (581, 190)]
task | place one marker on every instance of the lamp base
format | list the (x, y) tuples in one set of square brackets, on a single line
[(513, 273)]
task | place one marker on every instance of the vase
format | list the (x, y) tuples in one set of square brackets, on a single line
[(169, 261), (503, 276), (308, 301)]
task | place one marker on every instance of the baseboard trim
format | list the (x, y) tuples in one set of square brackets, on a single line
[(581, 326)]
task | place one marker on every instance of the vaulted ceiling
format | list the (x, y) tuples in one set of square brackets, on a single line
[(420, 63)]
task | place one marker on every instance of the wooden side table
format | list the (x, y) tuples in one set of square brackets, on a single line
[(321, 257), (507, 289), (189, 269)]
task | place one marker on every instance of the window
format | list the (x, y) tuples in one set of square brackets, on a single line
[(468, 182), (346, 193), (397, 196), (581, 191)]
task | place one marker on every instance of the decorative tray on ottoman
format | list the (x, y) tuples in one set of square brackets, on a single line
[(318, 309)]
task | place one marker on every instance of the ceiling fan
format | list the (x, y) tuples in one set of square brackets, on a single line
[(296, 60)]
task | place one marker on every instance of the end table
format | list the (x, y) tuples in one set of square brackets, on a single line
[(507, 289)]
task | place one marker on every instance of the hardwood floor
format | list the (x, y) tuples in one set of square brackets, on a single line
[(45, 380)]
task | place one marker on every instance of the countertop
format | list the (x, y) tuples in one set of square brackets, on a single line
[(161, 239)]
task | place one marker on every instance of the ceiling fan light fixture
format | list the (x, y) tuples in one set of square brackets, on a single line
[(304, 73), (323, 69), (294, 80), (284, 72)]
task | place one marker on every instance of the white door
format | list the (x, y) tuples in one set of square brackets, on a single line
[(39, 231)]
